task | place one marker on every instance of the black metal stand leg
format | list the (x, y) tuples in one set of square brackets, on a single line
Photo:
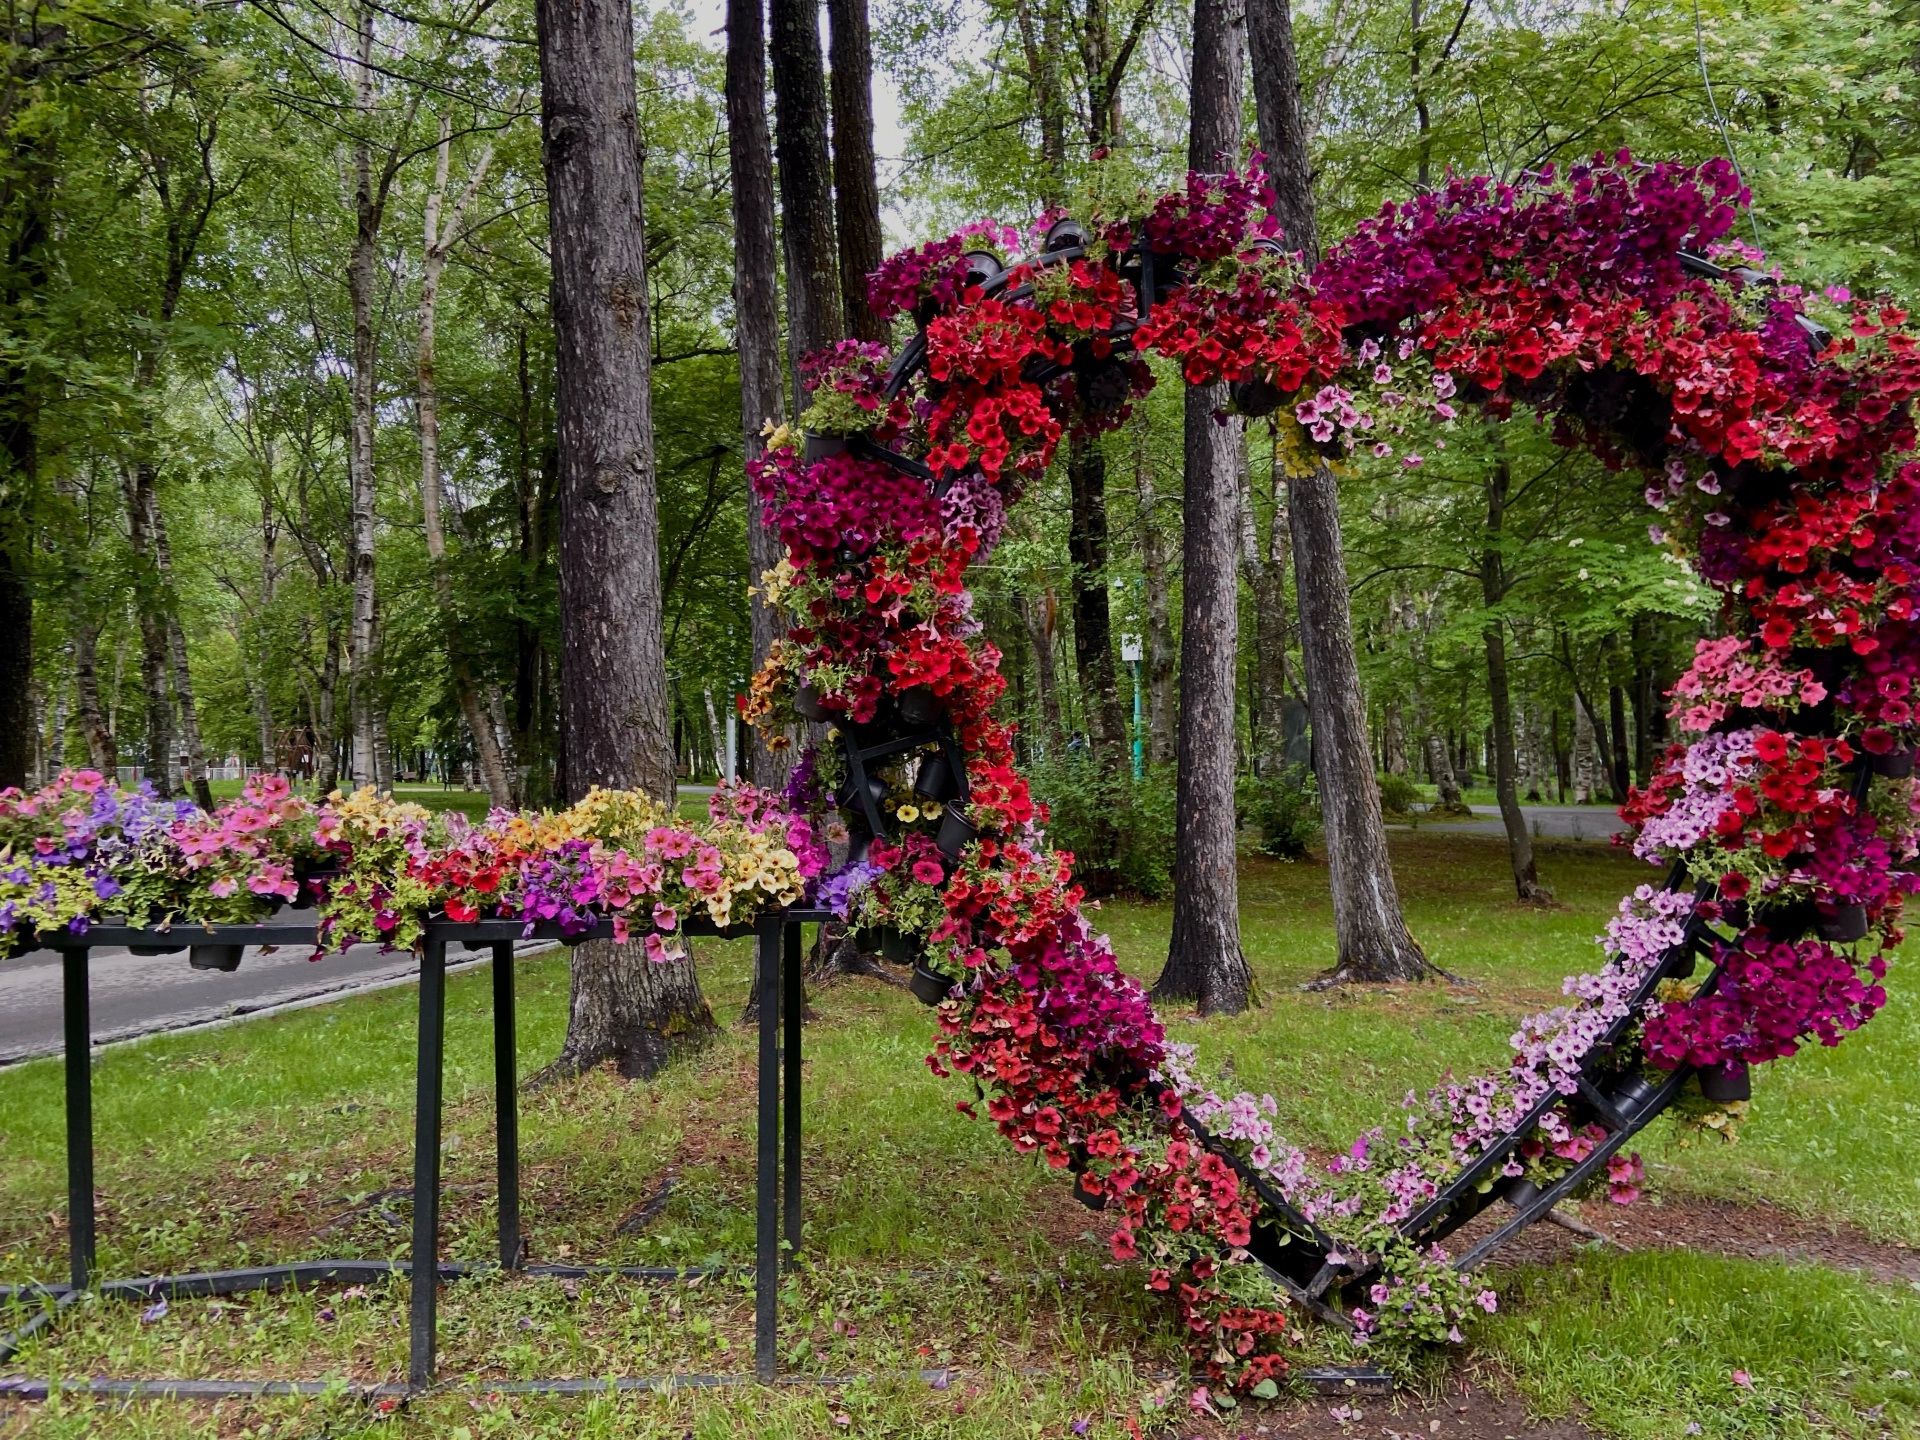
[(766, 1269), (506, 1084), (73, 964), (793, 997), (426, 1162)]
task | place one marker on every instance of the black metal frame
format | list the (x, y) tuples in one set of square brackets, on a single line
[(778, 950)]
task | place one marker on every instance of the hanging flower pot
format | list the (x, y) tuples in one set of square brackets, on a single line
[(929, 986), (920, 706), (895, 944), (215, 957), (806, 704), (158, 947), (311, 878), (1065, 233), (847, 797), (956, 833), (1894, 765), (1846, 924), (822, 447), (1255, 397), (935, 780), (1723, 1084)]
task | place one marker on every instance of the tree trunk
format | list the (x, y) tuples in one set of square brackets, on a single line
[(326, 744), (1204, 959), (1159, 637), (1265, 567), (1617, 723), (756, 323), (137, 485), (441, 236), (1036, 613), (1092, 612), (806, 182), (613, 710), (856, 190), (1493, 591), (86, 686), (1283, 122), (362, 278), (1440, 768), (1374, 942)]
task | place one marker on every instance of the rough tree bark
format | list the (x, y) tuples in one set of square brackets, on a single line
[(756, 320), (1037, 614), (806, 182), (1374, 942), (1493, 590), (856, 189), (1092, 610), (1265, 567), (1204, 960), (613, 710), (1158, 649), (1284, 135), (443, 231)]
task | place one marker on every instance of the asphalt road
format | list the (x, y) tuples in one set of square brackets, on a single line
[(1561, 822), (134, 995)]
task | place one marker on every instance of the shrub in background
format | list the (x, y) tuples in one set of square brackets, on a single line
[(1119, 829), (1285, 809)]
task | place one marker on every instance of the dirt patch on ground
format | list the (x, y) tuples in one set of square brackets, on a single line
[(1464, 1410), (1716, 1227)]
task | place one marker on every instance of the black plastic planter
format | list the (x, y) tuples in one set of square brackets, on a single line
[(157, 949), (215, 957), (806, 704), (1894, 765), (1631, 1093), (898, 946), (956, 833), (929, 986), (847, 797), (821, 447), (934, 780), (1724, 1084), (1091, 1201), (1521, 1193), (920, 706), (1845, 925), (1255, 397)]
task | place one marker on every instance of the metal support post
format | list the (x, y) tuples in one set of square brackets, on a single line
[(793, 997), (426, 1162), (766, 1254), (80, 1245), (506, 1101)]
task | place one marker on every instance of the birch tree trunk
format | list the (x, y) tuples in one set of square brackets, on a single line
[(362, 277), (856, 189), (1204, 960), (86, 688), (756, 325), (442, 233), (613, 711)]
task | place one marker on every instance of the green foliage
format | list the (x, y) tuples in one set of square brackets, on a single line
[(1119, 830), (1285, 810), (1398, 795)]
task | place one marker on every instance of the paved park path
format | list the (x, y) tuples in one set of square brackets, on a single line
[(1550, 822)]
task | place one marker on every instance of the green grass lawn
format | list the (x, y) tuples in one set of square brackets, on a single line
[(928, 1241)]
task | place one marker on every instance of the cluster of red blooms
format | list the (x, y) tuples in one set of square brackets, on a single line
[(1525, 293)]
